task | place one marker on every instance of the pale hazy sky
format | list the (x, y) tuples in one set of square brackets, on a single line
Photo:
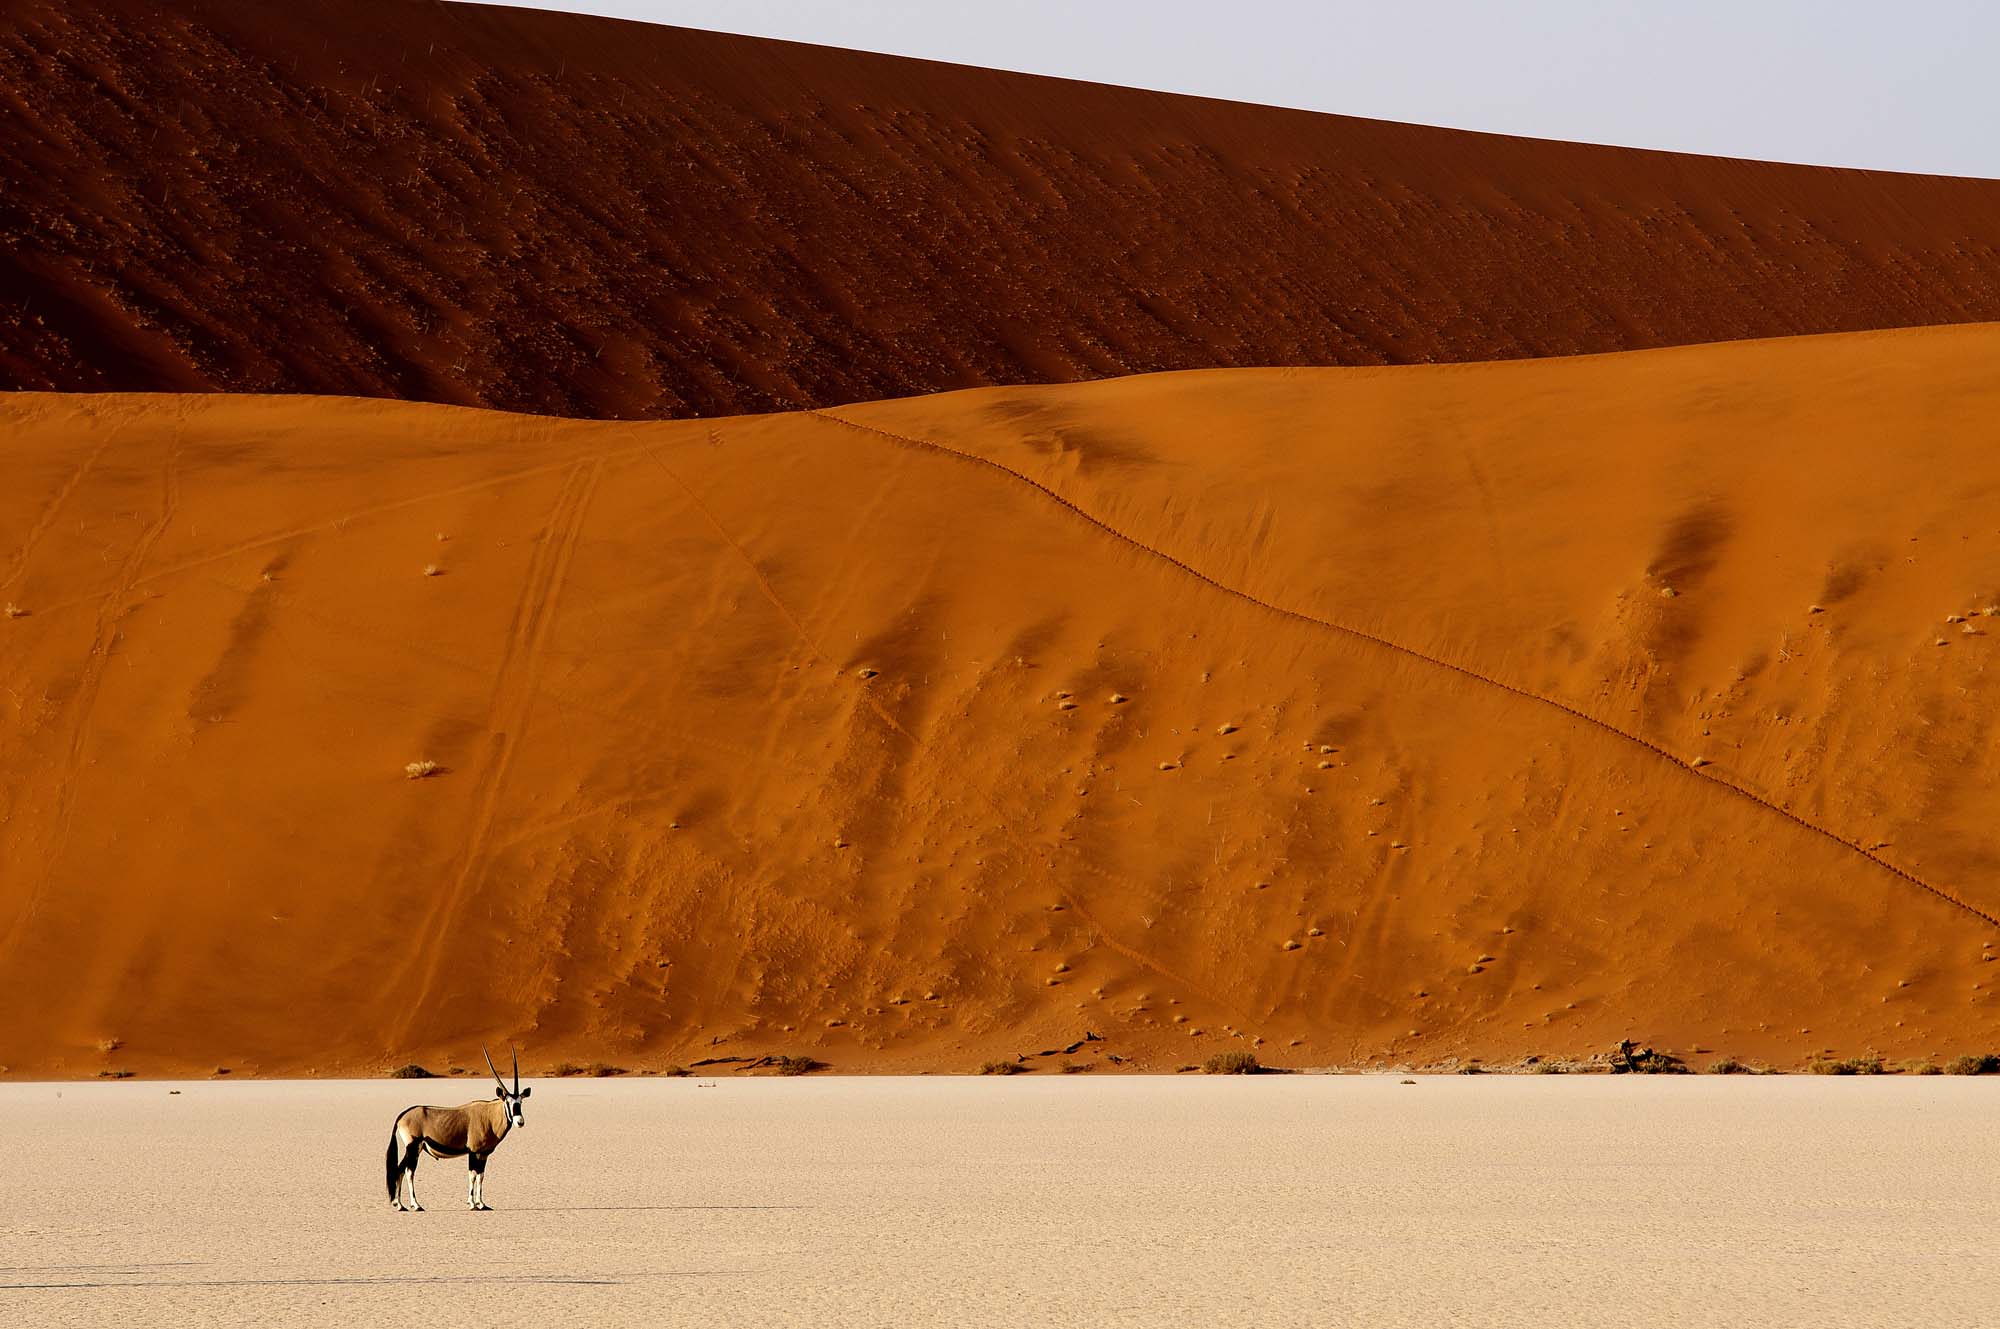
[(1911, 86)]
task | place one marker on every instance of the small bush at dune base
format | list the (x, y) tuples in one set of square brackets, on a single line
[(1003, 1068), (1984, 1064), (595, 1070), (798, 1065), (412, 1072), (1237, 1062), (1846, 1066)]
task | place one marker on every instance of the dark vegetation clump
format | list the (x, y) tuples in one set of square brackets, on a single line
[(1003, 1068), (1236, 1062), (1077, 1068), (797, 1065), (596, 1070), (1844, 1066), (677, 1070), (412, 1072), (1984, 1064), (1729, 1066), (114, 1075), (1630, 1060)]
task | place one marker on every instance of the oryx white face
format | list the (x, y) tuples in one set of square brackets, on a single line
[(509, 1098)]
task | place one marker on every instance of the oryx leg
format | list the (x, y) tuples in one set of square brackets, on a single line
[(407, 1147), (410, 1175), (475, 1181)]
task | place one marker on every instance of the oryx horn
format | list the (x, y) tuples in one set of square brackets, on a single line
[(517, 1069), (496, 1070)]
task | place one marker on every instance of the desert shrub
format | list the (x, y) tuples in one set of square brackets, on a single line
[(1077, 1068), (1728, 1066), (1844, 1066), (1630, 1060), (1003, 1068), (590, 1069), (418, 770), (677, 1070), (412, 1072), (114, 1075), (1234, 1062), (797, 1065)]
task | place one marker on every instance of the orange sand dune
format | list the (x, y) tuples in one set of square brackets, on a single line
[(571, 215), (1356, 711)]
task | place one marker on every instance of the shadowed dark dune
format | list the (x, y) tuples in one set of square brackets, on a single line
[(554, 213)]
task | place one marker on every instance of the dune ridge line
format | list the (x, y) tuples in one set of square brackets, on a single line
[(1358, 634)]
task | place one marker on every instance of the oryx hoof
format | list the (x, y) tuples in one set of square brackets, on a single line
[(481, 1208)]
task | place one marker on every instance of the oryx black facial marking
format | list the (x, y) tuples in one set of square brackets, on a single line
[(473, 1131)]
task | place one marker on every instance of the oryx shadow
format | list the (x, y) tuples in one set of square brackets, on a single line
[(642, 1208)]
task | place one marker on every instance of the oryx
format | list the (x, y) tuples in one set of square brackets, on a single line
[(474, 1130)]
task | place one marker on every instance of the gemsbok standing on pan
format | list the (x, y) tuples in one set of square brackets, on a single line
[(474, 1130)]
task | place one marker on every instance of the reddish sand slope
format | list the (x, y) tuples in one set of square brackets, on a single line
[(576, 216), (1345, 709)]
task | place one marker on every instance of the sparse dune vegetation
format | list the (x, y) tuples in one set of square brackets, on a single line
[(608, 792)]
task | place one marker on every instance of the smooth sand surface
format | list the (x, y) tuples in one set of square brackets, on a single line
[(1376, 714), (558, 213), (1135, 1201)]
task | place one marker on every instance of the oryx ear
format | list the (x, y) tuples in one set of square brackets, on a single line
[(529, 1090)]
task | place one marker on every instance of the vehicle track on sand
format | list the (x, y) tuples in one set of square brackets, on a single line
[(113, 606), (54, 506), (1683, 764), (515, 686)]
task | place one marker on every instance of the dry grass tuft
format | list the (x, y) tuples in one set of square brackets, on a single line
[(1235, 1062), (595, 1070), (798, 1065), (412, 1072), (1003, 1068), (420, 770), (1984, 1064), (110, 1044), (13, 610), (1077, 1068), (114, 1075), (433, 570), (1844, 1066)]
